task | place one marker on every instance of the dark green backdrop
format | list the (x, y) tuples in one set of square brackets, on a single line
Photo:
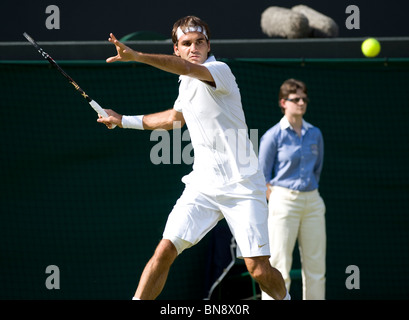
[(90, 201)]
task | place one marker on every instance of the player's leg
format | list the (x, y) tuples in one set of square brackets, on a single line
[(268, 278), (156, 271), (246, 212), (190, 220)]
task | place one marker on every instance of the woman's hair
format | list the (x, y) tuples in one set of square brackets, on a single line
[(189, 22), (290, 86)]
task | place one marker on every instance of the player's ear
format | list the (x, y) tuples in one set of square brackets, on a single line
[(176, 50)]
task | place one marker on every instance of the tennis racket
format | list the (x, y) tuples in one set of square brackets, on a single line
[(46, 56)]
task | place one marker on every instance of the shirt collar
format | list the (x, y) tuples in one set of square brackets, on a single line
[(284, 124), (209, 59)]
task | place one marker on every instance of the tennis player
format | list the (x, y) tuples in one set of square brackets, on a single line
[(222, 183)]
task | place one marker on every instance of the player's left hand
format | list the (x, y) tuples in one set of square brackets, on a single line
[(124, 53)]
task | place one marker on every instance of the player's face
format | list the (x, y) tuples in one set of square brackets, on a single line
[(193, 47), (295, 104)]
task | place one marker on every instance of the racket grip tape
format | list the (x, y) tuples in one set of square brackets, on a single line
[(99, 110)]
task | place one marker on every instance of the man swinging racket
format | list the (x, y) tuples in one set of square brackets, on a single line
[(221, 184)]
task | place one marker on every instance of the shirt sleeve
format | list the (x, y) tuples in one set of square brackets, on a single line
[(267, 154), (222, 75), (178, 106)]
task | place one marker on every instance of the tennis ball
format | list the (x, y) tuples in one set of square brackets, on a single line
[(371, 47)]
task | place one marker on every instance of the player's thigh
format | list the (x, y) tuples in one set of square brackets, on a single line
[(247, 219), (192, 217)]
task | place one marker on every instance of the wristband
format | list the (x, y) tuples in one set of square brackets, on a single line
[(132, 122)]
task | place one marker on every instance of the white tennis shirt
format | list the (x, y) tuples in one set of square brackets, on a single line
[(223, 152)]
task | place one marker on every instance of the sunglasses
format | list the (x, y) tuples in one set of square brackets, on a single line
[(296, 100)]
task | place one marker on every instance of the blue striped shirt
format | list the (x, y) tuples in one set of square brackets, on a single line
[(290, 161)]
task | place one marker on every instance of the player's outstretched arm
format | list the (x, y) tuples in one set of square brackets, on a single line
[(168, 63)]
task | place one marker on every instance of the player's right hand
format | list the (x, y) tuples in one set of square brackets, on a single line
[(112, 119)]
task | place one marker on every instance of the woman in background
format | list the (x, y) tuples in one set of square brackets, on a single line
[(291, 158)]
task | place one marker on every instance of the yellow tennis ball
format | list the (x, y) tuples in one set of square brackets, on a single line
[(371, 47)]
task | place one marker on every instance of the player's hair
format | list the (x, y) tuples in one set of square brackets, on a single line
[(186, 22), (290, 86)]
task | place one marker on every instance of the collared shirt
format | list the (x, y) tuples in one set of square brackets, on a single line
[(223, 152), (290, 161)]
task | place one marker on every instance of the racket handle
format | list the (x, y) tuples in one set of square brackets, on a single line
[(99, 110)]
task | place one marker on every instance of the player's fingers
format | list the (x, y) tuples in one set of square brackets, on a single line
[(112, 59), (119, 45), (104, 121), (112, 36)]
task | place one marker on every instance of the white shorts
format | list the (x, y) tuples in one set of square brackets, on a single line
[(243, 205)]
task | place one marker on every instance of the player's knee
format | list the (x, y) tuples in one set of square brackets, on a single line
[(180, 244), (258, 267), (257, 274), (165, 252)]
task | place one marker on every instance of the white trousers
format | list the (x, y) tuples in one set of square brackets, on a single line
[(295, 215)]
